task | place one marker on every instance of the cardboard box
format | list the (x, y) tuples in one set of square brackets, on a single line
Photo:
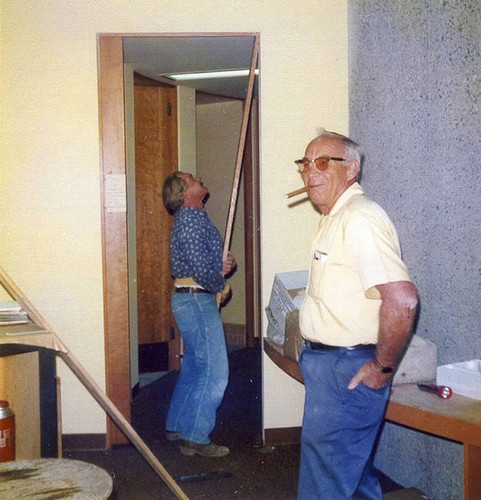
[(287, 295), (293, 341), (464, 378), (419, 362)]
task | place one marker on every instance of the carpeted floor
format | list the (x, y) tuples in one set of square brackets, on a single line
[(251, 471)]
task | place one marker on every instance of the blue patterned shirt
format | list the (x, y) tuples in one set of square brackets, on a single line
[(196, 249)]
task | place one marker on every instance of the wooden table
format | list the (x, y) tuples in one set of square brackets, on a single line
[(54, 478), (458, 418)]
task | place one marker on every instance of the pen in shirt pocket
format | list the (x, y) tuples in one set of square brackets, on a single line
[(318, 255)]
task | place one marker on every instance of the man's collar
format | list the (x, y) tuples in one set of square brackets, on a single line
[(195, 209), (353, 190)]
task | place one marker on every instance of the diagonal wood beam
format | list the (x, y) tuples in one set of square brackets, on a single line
[(84, 377), (240, 149)]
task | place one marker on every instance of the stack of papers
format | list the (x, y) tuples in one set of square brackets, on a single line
[(11, 313)]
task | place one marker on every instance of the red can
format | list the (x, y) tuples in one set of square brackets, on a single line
[(7, 432)]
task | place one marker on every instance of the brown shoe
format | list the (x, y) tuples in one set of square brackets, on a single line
[(190, 448)]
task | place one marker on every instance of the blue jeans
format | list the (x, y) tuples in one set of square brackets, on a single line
[(204, 373), (339, 427)]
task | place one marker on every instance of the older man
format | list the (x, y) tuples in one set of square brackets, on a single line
[(199, 271), (356, 319)]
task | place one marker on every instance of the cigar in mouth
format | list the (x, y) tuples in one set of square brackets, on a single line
[(296, 192)]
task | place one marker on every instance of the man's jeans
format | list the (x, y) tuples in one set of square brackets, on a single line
[(204, 373), (339, 427)]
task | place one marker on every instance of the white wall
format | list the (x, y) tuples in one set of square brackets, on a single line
[(49, 185)]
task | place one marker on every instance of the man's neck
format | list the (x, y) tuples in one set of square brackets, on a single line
[(327, 210), (191, 204)]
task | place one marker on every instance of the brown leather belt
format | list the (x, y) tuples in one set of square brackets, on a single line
[(318, 346), (190, 289)]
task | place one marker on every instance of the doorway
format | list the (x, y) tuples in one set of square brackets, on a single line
[(114, 223)]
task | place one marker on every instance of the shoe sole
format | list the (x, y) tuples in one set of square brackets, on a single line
[(190, 452), (173, 436)]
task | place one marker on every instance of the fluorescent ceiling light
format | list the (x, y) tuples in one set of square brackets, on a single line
[(211, 74)]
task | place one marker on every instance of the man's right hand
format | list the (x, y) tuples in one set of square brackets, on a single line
[(370, 377), (229, 264)]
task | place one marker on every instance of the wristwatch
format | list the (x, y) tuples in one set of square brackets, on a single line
[(381, 368)]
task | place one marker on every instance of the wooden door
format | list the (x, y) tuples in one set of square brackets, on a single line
[(155, 158)]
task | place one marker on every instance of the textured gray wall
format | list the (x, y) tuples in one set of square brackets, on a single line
[(415, 96)]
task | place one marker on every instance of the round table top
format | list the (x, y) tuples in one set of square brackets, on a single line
[(54, 478)]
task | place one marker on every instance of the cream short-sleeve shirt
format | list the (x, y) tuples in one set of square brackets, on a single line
[(355, 249)]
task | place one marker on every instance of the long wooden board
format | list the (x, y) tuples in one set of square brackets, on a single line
[(47, 338)]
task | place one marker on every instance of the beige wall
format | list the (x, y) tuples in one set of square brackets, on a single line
[(49, 185), (186, 119), (218, 129)]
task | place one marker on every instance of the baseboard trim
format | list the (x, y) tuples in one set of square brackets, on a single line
[(80, 442), (283, 435), (235, 334)]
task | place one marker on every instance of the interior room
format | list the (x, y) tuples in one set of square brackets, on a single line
[(401, 78), (208, 124)]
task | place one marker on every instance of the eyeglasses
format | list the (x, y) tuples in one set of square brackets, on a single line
[(320, 163)]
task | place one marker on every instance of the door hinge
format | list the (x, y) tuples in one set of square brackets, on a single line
[(172, 333), (169, 109)]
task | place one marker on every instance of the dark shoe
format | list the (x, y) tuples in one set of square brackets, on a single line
[(189, 449), (173, 435)]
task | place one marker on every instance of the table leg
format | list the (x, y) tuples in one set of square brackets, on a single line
[(472, 472)]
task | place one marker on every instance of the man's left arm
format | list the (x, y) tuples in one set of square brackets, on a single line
[(399, 301)]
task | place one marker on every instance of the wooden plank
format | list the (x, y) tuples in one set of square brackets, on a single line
[(240, 149), (11, 287), (30, 406), (19, 385), (121, 422), (114, 230)]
